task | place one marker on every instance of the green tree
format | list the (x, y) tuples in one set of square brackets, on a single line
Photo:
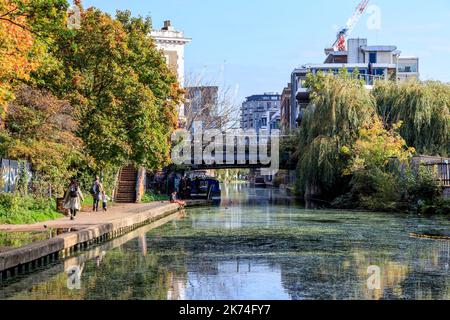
[(375, 160), (123, 93), (41, 129), (154, 74)]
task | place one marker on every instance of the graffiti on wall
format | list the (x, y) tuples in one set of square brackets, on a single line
[(10, 174)]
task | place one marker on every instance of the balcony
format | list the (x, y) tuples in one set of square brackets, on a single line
[(369, 80)]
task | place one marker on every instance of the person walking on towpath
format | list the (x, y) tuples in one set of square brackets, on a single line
[(73, 199), (96, 191)]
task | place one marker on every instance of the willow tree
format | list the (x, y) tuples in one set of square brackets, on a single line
[(340, 106), (424, 110)]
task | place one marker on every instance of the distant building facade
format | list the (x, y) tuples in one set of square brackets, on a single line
[(285, 109), (201, 106), (172, 43), (261, 112)]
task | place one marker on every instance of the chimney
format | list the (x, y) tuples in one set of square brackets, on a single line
[(167, 25)]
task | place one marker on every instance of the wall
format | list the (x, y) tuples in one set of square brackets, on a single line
[(355, 54), (382, 57)]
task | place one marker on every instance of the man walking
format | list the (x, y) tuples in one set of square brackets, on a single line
[(96, 192)]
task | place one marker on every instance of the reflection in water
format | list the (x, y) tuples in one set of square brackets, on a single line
[(257, 245)]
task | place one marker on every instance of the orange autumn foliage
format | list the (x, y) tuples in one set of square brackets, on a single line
[(16, 48)]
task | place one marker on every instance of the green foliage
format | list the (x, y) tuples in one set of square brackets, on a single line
[(150, 196), (41, 130), (424, 110), (123, 93), (375, 148), (376, 190), (17, 209), (421, 185), (397, 187), (94, 99), (339, 107), (353, 144)]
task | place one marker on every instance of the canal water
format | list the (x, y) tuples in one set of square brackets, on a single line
[(258, 244)]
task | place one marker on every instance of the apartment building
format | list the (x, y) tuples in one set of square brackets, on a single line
[(201, 106), (285, 109), (380, 62), (261, 112)]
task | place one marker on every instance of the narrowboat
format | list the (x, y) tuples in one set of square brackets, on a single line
[(205, 188)]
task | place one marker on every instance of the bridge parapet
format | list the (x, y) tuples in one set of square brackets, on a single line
[(235, 148)]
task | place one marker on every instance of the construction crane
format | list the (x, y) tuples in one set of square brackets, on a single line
[(340, 43)]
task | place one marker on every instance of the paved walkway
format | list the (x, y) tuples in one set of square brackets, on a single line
[(88, 218)]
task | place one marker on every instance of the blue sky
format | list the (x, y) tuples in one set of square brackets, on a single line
[(252, 46)]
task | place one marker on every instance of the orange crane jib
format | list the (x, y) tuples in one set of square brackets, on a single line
[(342, 35)]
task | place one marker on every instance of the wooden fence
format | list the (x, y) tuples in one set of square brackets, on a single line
[(443, 172)]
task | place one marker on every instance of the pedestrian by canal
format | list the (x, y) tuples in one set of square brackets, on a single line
[(96, 191), (73, 198)]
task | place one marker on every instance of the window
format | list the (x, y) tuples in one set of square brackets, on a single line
[(378, 72), (407, 67), (302, 83), (372, 57), (264, 122)]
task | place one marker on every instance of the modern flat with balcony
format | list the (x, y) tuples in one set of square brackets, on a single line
[(373, 62)]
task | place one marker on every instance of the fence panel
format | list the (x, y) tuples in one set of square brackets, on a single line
[(443, 172)]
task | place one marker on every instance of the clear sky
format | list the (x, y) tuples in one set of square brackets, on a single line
[(252, 46)]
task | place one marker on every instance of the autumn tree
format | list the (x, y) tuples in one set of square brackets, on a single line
[(25, 27), (42, 130)]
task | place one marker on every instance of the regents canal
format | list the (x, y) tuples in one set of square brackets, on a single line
[(256, 245)]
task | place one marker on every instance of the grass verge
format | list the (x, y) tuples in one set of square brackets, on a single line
[(17, 209)]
